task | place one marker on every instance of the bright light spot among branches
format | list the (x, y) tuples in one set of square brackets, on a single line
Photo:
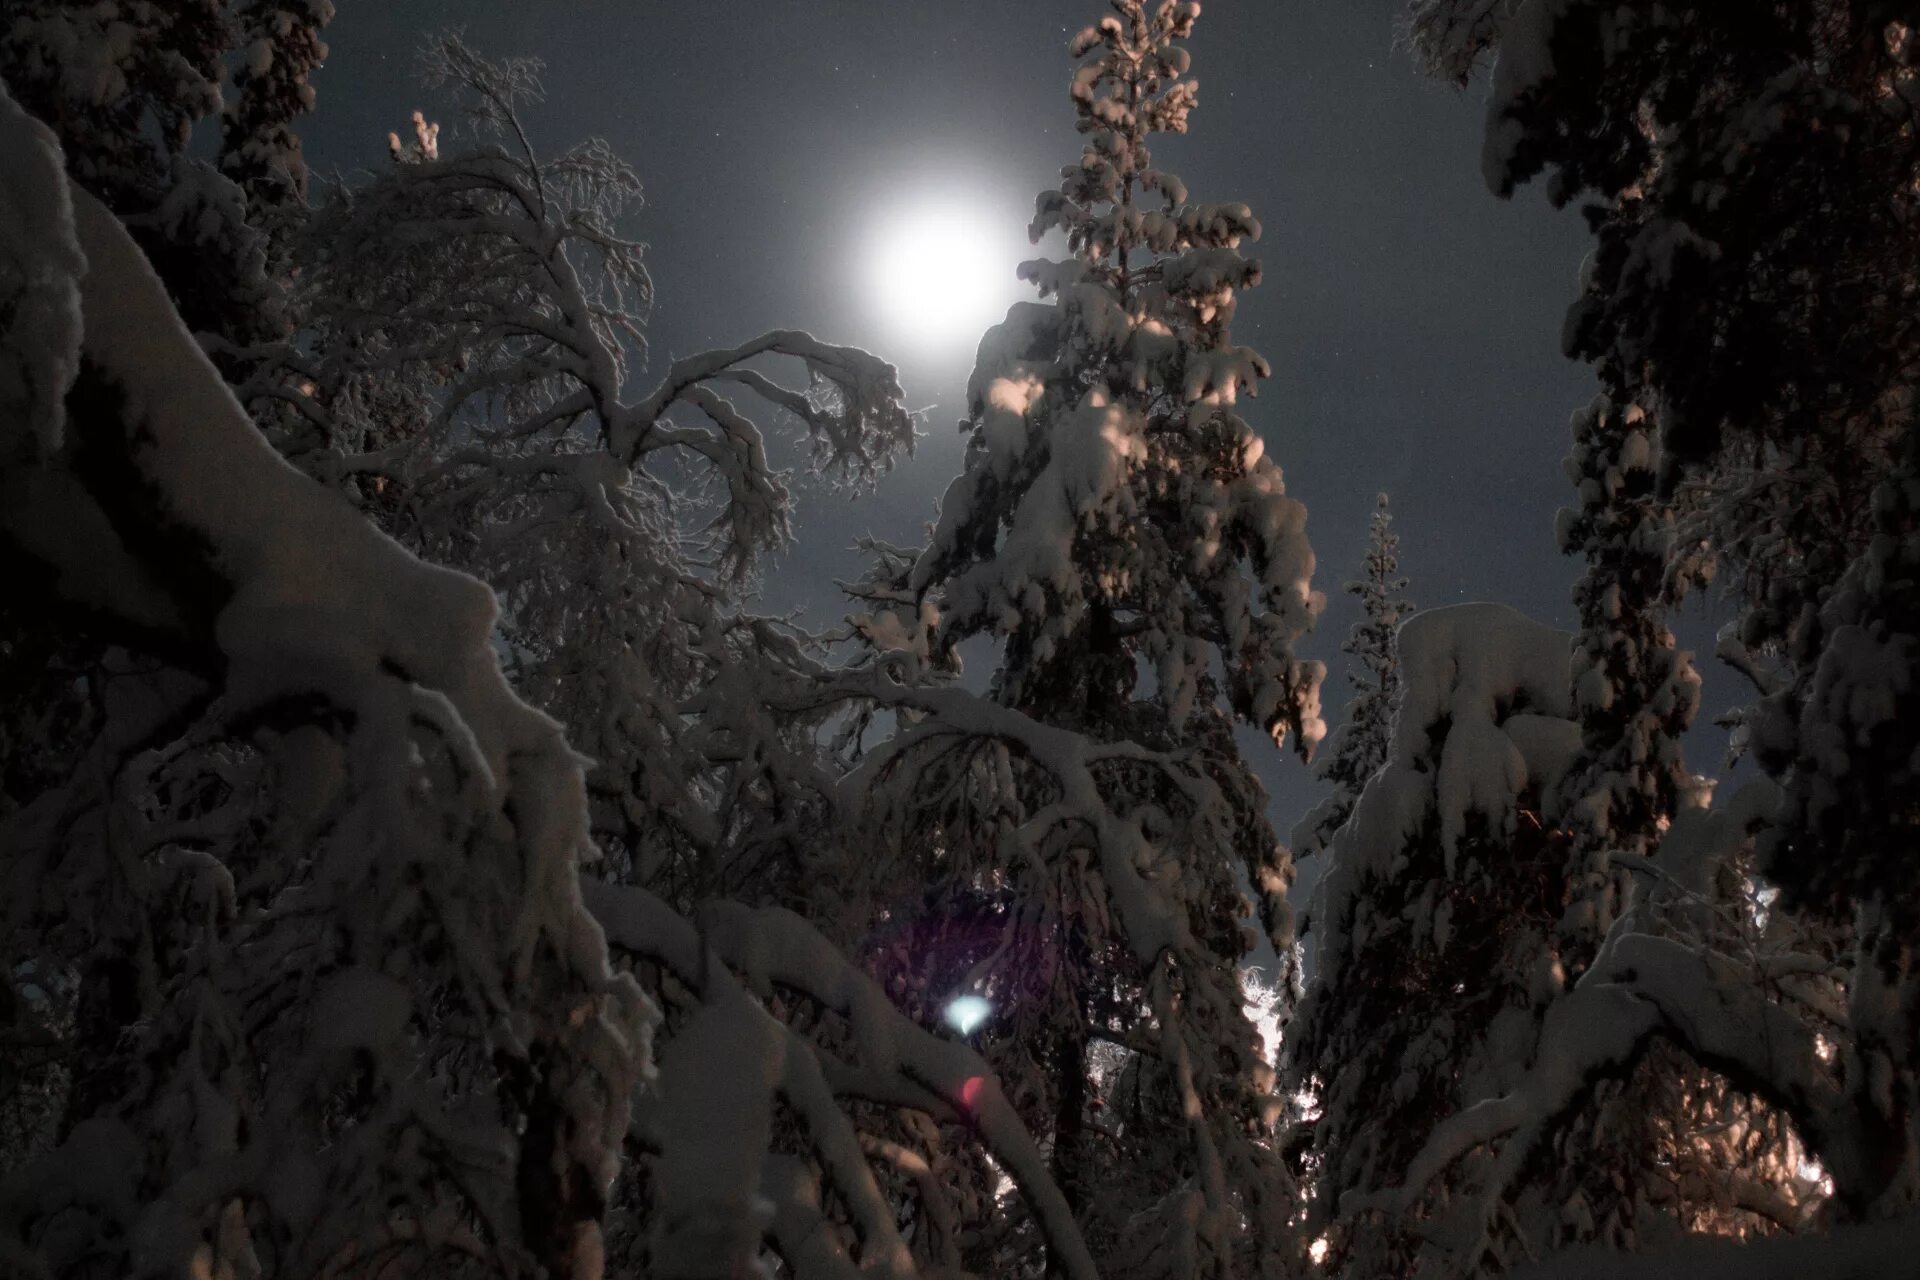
[(1262, 1004), (942, 274), (965, 1013)]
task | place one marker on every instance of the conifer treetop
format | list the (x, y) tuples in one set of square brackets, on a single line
[(1359, 748), (1114, 506)]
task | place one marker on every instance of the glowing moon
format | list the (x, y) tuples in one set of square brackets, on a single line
[(941, 274)]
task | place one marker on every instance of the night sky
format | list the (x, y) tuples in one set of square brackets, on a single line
[(1411, 319)]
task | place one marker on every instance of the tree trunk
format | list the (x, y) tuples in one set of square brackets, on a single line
[(1069, 1122)]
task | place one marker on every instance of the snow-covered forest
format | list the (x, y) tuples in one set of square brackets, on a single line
[(421, 854)]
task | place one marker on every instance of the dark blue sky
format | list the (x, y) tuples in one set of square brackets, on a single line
[(1412, 320)]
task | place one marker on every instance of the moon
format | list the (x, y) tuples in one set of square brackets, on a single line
[(942, 273)]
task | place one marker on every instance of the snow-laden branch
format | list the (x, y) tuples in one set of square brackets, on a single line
[(853, 428), (1723, 1008), (500, 277), (1154, 925), (903, 1064), (409, 794), (476, 319), (1122, 814)]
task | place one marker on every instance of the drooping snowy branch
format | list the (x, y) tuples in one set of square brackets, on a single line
[(1763, 1019), (1445, 1038), (505, 275), (374, 839), (476, 316), (733, 949)]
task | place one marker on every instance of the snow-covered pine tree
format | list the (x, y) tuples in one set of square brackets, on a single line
[(123, 84), (1413, 998), (1077, 839), (1358, 748), (1115, 403), (1771, 390), (1753, 182)]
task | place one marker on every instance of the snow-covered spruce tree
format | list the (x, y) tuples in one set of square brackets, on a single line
[(1669, 1148), (131, 88), (1597, 1131), (1634, 692), (1473, 884), (1705, 145), (280, 47), (1358, 747), (1847, 829), (1432, 933), (1440, 951), (1753, 177), (1070, 848), (125, 85)]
